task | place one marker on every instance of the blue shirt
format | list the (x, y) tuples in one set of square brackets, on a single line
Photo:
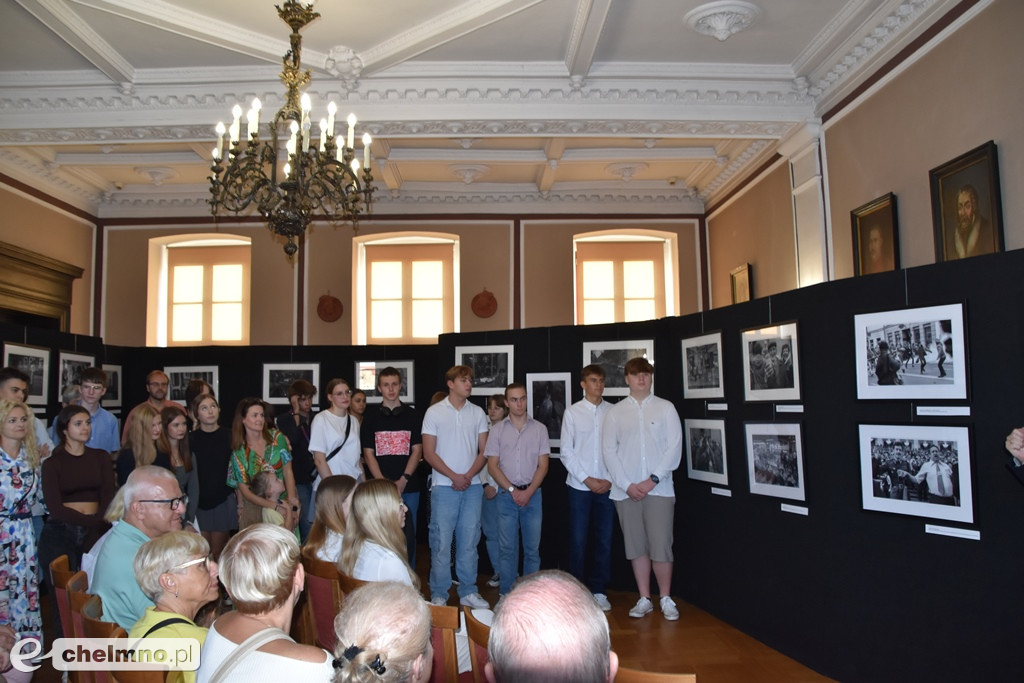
[(114, 576)]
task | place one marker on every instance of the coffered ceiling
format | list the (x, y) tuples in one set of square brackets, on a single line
[(475, 105)]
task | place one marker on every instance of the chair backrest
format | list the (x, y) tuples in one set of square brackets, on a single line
[(639, 676), (349, 583), (143, 676), (444, 621), (60, 574), (93, 626), (77, 590), (323, 598), (479, 633)]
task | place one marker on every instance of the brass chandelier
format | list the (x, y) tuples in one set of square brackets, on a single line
[(323, 178)]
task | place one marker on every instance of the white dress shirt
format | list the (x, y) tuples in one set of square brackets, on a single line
[(581, 442), (641, 438)]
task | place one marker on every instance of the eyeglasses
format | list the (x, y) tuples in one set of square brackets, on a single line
[(175, 503), (205, 561)]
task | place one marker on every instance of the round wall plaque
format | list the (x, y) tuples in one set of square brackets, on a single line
[(330, 308), (484, 304)]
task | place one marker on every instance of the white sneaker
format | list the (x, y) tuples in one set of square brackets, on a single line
[(475, 601), (494, 581), (642, 607), (602, 601), (668, 608), (438, 600)]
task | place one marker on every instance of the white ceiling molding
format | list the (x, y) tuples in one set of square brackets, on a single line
[(586, 31)]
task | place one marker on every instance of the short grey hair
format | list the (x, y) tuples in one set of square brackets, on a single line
[(257, 567), (142, 479), (549, 629), (162, 554)]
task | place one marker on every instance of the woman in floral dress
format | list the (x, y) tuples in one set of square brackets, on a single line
[(258, 448)]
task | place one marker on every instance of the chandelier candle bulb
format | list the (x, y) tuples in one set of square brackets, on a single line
[(220, 140), (351, 130), (366, 151), (236, 125), (323, 135), (251, 118), (305, 133), (332, 109)]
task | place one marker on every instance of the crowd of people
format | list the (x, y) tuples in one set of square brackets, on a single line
[(188, 527)]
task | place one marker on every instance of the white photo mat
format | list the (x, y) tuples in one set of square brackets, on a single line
[(277, 377), (706, 455), (493, 366), (775, 460), (547, 396), (702, 367), (771, 363), (368, 370), (612, 356)]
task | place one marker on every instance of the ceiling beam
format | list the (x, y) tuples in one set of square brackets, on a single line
[(76, 32), (586, 32)]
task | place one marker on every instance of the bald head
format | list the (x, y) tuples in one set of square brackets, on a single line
[(149, 495), (549, 629)]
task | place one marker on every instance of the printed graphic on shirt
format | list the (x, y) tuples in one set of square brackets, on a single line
[(393, 443)]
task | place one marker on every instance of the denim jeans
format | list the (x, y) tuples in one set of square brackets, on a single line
[(412, 502), (527, 521), (458, 513), (489, 526), (590, 515)]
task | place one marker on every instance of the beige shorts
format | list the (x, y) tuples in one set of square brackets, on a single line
[(647, 527)]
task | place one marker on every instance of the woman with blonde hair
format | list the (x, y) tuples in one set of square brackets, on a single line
[(333, 501), (261, 571), (383, 635), (139, 445), (374, 548)]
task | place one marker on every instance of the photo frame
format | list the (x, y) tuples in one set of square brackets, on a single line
[(876, 236), (112, 396), (775, 460), (967, 186), (771, 363), (178, 377), (493, 366), (705, 451), (34, 361), (939, 330), (71, 366), (907, 469), (366, 379), (739, 279), (702, 367), (612, 356), (277, 377), (547, 396)]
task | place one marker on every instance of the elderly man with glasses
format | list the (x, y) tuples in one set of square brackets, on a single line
[(153, 506)]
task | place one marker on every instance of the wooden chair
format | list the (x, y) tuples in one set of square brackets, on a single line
[(349, 583), (444, 621), (60, 574), (479, 633), (93, 626), (323, 597), (77, 590), (639, 676)]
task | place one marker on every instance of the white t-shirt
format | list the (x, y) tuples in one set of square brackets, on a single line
[(457, 433), (377, 563), (330, 551), (326, 433), (258, 666)]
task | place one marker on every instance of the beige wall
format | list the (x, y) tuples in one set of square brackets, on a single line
[(37, 227), (756, 228), (963, 93)]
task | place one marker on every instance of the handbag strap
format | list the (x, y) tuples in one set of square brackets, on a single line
[(348, 428), (253, 642), (166, 622)]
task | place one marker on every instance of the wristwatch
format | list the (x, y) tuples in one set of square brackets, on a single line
[(655, 479), (511, 488), (406, 476)]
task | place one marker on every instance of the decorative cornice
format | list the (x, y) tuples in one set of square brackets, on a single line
[(729, 172)]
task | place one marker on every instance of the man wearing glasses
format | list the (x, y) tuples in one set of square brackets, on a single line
[(153, 506), (157, 385)]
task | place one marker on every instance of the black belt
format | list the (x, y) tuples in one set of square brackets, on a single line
[(521, 487)]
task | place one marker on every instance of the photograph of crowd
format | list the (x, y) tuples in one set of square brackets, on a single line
[(914, 353), (612, 356), (71, 366), (34, 362), (277, 377), (178, 378), (702, 367), (705, 451), (775, 460), (911, 470), (770, 367), (492, 367)]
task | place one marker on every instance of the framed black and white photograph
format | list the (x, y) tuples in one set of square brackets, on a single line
[(612, 356), (771, 364), (71, 366), (492, 366), (702, 367), (911, 353), (775, 460), (917, 470), (112, 396), (547, 396), (705, 451), (967, 205), (277, 377), (366, 378), (180, 375), (34, 361)]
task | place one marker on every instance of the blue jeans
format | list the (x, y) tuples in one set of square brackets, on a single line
[(489, 525), (590, 514), (412, 501), (305, 494), (458, 513), (526, 521)]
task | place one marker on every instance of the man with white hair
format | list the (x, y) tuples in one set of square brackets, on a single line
[(550, 629), (153, 506)]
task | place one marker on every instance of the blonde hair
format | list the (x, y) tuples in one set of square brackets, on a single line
[(262, 482), (330, 512), (160, 555), (115, 511), (29, 443), (257, 567), (384, 625), (140, 434), (374, 517)]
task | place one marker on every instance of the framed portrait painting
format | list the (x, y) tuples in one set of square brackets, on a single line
[(702, 367), (34, 361), (775, 460), (366, 378), (547, 395), (705, 451), (492, 366), (911, 353), (967, 205), (180, 375), (277, 377), (917, 470), (876, 236), (771, 364), (612, 356)]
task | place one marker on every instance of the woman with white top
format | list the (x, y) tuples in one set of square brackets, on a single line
[(333, 502), (374, 548), (334, 437)]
